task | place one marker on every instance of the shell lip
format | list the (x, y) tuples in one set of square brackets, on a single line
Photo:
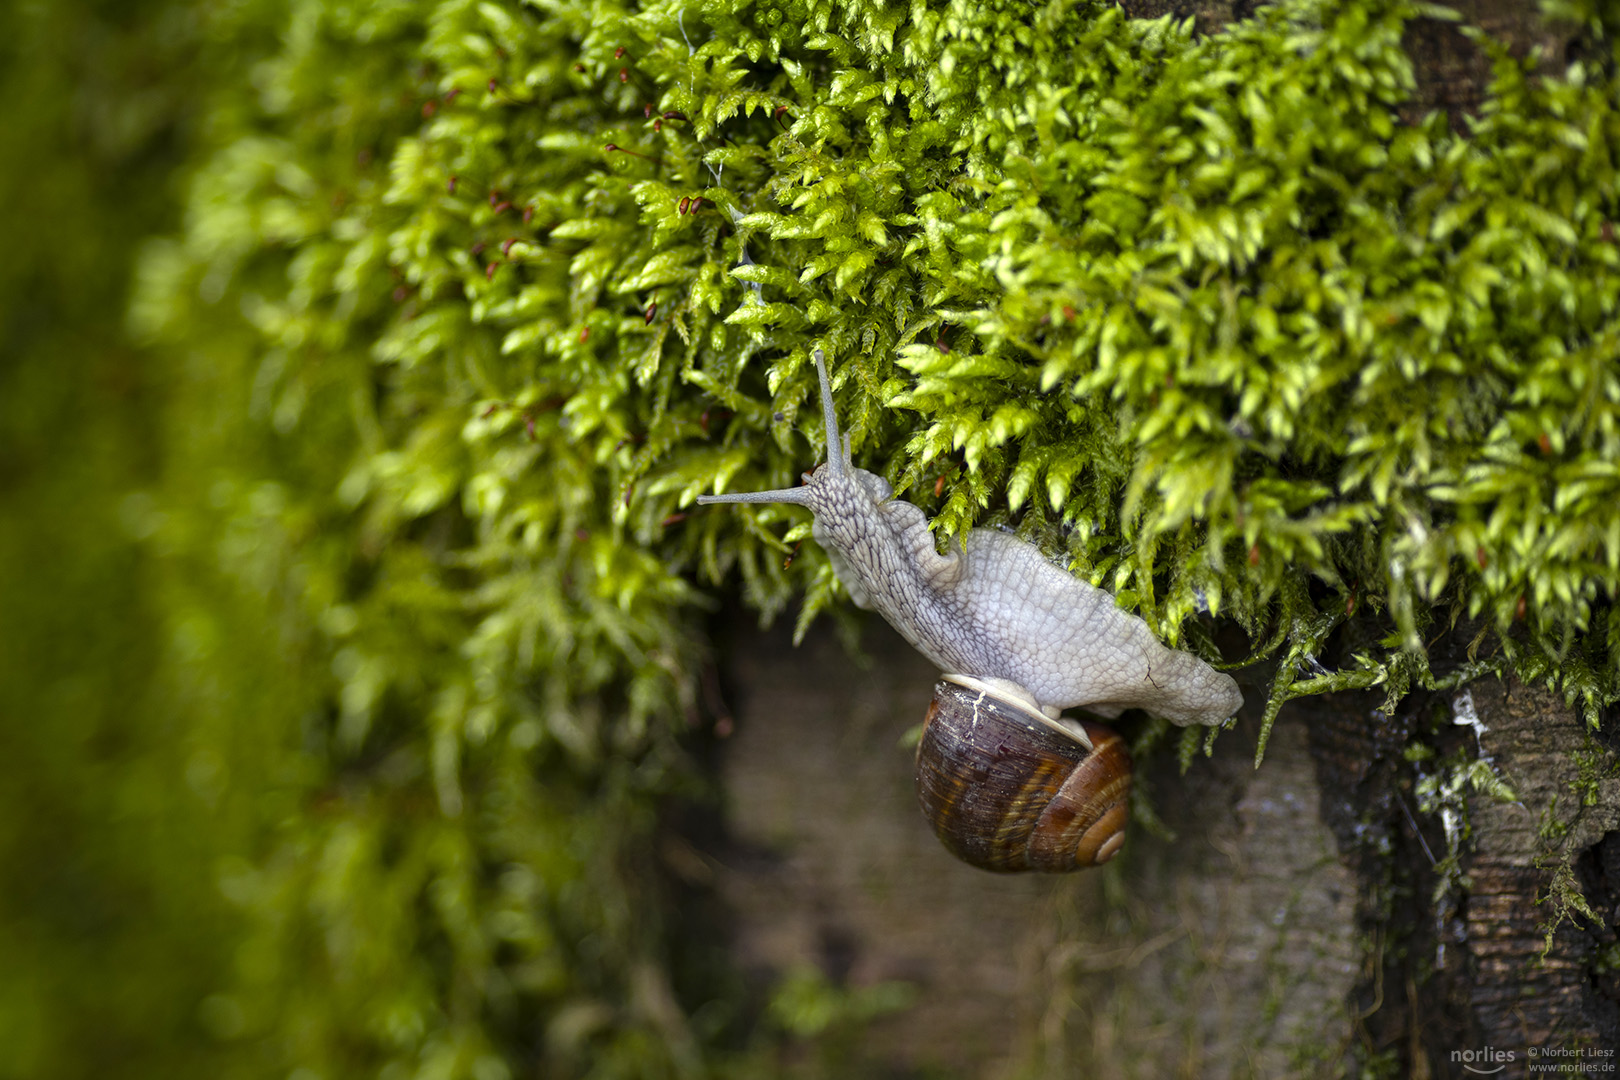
[(1010, 693)]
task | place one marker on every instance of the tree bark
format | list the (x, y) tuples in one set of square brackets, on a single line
[(1286, 920), (1296, 919)]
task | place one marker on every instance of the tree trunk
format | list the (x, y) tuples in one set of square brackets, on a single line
[(1302, 918), (1291, 922)]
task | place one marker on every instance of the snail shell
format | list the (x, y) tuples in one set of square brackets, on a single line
[(1007, 788)]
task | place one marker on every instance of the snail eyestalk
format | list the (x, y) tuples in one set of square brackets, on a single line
[(800, 496)]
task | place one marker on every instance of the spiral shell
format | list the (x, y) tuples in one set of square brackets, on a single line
[(1008, 789)]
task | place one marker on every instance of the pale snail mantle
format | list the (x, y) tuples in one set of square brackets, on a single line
[(1024, 634)]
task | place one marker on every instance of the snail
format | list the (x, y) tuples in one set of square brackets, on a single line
[(1021, 639)]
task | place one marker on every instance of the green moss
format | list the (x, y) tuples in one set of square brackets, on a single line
[(1443, 789), (480, 296), (112, 808), (1594, 765), (1564, 900), (1563, 897)]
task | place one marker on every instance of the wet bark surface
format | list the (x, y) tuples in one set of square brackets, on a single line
[(1291, 920), (827, 863), (1225, 944), (1517, 995), (1461, 963)]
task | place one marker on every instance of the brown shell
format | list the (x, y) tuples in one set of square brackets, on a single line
[(1007, 791)]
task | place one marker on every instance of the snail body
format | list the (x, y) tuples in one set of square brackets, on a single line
[(993, 606), (994, 609)]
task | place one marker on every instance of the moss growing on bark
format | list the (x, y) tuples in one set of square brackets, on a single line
[(478, 296)]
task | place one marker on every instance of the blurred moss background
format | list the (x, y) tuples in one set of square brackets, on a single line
[(111, 922), (186, 821), (361, 362)]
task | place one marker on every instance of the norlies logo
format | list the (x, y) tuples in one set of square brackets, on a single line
[(1485, 1062)]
